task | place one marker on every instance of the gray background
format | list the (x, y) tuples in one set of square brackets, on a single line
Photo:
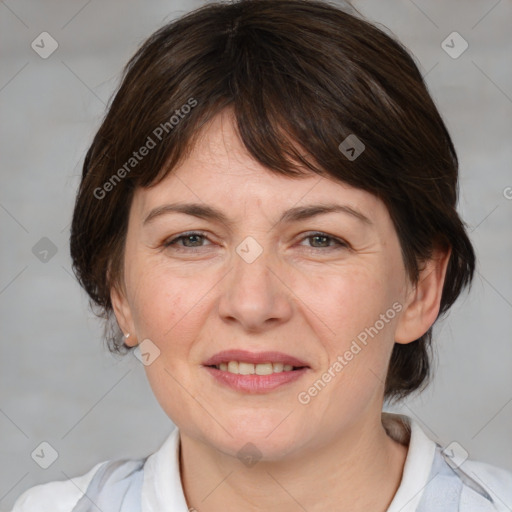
[(59, 384)]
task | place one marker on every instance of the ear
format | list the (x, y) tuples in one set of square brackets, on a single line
[(123, 314), (424, 299)]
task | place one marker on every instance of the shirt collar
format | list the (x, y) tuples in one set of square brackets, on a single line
[(162, 487), (418, 463)]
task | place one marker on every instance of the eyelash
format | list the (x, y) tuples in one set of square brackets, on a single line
[(340, 243)]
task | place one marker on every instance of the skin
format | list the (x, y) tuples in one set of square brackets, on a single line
[(306, 297)]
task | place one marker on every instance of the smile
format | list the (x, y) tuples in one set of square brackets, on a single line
[(243, 368), (254, 372)]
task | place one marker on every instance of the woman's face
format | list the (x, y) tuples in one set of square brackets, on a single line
[(324, 292)]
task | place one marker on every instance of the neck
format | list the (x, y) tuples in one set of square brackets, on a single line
[(357, 470)]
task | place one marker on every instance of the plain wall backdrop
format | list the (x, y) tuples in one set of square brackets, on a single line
[(58, 382)]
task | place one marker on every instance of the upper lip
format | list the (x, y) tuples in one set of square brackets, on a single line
[(253, 357)]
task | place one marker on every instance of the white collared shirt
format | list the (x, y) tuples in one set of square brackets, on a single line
[(431, 481)]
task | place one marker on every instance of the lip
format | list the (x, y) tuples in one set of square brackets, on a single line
[(255, 383), (254, 358)]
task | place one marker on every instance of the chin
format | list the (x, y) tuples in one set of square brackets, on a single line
[(256, 435)]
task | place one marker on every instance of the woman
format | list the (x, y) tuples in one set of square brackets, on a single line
[(268, 215)]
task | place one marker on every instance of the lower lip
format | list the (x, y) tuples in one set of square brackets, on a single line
[(255, 383)]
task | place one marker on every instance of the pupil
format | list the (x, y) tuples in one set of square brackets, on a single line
[(189, 237), (320, 237)]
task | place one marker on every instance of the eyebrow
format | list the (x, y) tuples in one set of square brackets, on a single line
[(295, 214)]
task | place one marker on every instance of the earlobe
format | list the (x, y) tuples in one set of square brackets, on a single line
[(424, 300), (123, 316)]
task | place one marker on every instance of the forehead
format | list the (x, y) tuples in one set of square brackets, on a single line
[(219, 171)]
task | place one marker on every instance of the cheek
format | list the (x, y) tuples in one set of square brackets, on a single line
[(345, 302), (167, 310), (355, 317), (164, 304)]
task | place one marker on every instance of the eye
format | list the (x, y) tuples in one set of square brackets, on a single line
[(190, 240), (193, 240), (324, 240)]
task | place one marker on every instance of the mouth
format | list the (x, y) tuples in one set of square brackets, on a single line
[(243, 362), (244, 368), (255, 372)]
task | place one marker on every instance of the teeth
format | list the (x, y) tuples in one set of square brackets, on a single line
[(263, 369), (278, 367), (241, 368), (246, 368)]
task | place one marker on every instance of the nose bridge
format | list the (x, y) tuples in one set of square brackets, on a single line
[(253, 295)]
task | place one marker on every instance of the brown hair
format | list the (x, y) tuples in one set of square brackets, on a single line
[(300, 77)]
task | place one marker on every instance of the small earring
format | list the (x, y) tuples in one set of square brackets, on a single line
[(126, 336)]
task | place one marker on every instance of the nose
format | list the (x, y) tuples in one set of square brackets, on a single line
[(255, 294)]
